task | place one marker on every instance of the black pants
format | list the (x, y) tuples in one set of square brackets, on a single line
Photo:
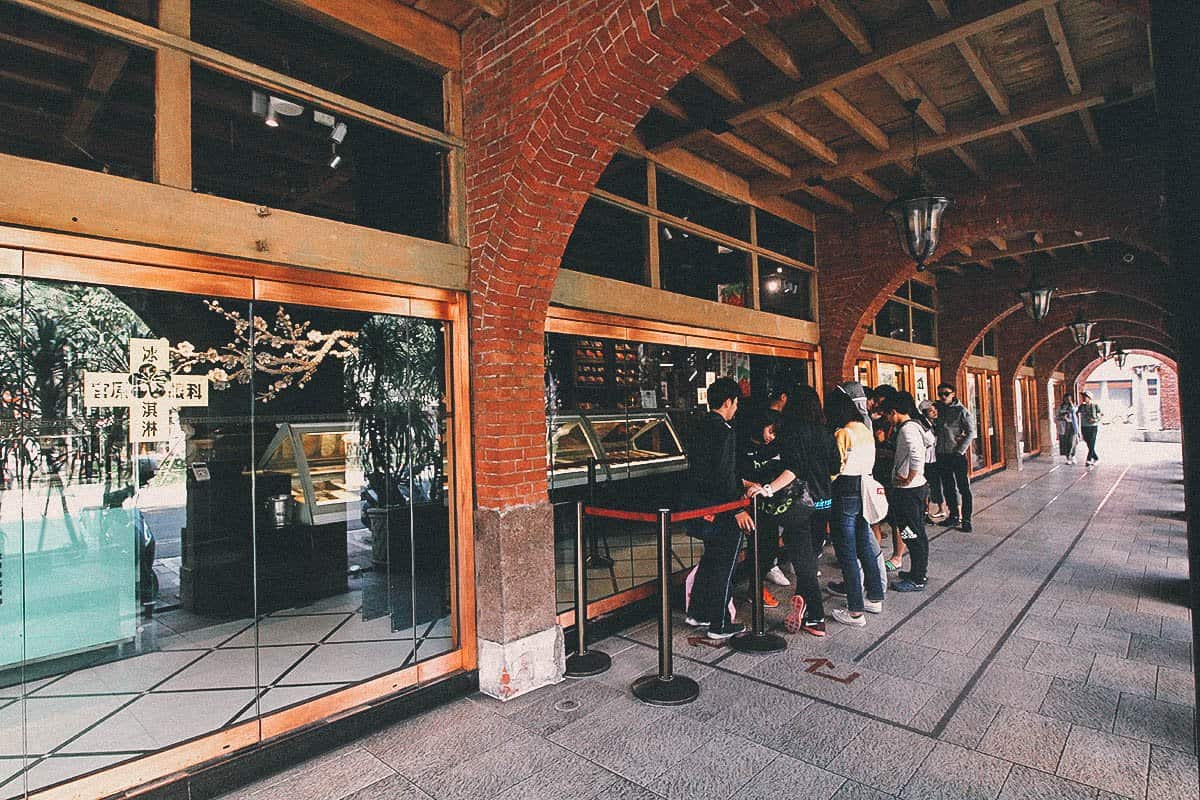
[(714, 575), (953, 468), (796, 524), (1066, 443), (934, 479), (908, 508), (1089, 438)]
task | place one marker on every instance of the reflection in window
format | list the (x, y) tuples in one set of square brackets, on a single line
[(75, 97), (609, 242), (260, 147), (682, 199), (266, 35), (781, 236), (702, 268), (784, 290)]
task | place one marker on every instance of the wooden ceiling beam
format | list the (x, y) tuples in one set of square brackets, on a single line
[(969, 162), (716, 79), (752, 153), (858, 121), (1026, 145), (998, 242), (672, 109), (955, 268), (773, 49), (847, 21), (965, 249), (1089, 128), (829, 197), (985, 16), (907, 88), (985, 75), (940, 9), (493, 8), (1059, 36), (794, 133), (866, 182), (1051, 242), (862, 160)]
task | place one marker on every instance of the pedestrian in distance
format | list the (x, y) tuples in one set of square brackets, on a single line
[(937, 502), (910, 490), (955, 431), (1089, 425), (712, 480), (1067, 421)]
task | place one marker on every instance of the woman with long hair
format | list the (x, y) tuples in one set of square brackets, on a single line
[(856, 547)]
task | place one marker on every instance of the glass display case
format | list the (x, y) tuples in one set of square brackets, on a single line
[(626, 445), (322, 460)]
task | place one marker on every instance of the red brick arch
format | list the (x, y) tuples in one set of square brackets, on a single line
[(976, 304), (1083, 374), (1080, 362), (550, 93), (861, 262), (1069, 357)]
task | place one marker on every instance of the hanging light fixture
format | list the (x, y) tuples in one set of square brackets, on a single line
[(1036, 298), (1104, 347), (1120, 356), (918, 212), (1081, 329)]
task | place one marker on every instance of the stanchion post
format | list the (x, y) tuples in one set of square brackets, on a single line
[(665, 688), (583, 663), (594, 559), (757, 640)]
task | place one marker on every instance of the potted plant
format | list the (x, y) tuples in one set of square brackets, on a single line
[(393, 385)]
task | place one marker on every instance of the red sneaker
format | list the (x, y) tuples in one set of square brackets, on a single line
[(794, 621), (769, 600)]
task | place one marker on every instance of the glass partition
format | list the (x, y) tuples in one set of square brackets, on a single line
[(210, 509)]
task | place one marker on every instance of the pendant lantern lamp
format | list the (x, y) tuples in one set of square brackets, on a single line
[(1120, 356), (1036, 298), (1081, 329), (1104, 347), (918, 212)]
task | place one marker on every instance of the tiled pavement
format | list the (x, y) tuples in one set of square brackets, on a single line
[(1050, 658)]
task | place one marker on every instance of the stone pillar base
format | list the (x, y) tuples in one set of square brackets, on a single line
[(510, 670)]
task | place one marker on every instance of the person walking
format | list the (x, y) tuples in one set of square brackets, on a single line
[(810, 457), (1067, 421), (937, 503), (856, 547), (910, 490), (955, 432), (1089, 425), (712, 480)]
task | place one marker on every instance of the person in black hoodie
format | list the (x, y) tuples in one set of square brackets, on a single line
[(713, 480), (809, 457), (759, 461)]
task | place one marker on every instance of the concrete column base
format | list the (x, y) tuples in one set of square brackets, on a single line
[(514, 668)]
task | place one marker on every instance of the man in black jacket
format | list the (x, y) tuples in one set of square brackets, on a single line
[(713, 481)]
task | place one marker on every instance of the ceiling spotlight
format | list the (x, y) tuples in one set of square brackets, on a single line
[(336, 159), (722, 250), (338, 134), (667, 233), (773, 283), (271, 108)]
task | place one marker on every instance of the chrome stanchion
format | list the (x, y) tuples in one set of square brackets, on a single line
[(665, 688), (583, 662), (757, 640)]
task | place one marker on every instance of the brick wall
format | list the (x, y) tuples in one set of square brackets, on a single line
[(1168, 389)]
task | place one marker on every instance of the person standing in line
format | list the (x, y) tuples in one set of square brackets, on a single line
[(1089, 425), (856, 547), (910, 490), (1067, 419), (955, 432), (937, 504), (759, 463), (777, 400), (713, 480)]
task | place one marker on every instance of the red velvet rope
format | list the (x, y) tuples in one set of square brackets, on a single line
[(679, 516)]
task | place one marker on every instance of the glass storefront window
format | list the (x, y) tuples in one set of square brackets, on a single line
[(892, 321), (257, 146), (702, 268), (922, 294), (784, 290), (924, 327), (609, 242), (75, 97), (210, 509), (786, 238), (264, 34), (681, 199)]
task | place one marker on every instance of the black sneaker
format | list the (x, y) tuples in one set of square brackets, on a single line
[(965, 527), (950, 522), (727, 631), (837, 587)]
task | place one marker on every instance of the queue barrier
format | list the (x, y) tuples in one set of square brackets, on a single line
[(665, 687)]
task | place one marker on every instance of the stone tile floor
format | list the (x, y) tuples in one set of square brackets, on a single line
[(1049, 658)]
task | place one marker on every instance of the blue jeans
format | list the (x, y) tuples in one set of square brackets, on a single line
[(855, 544)]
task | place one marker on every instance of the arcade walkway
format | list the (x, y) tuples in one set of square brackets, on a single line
[(1050, 658)]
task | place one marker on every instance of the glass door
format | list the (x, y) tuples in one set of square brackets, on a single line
[(995, 444)]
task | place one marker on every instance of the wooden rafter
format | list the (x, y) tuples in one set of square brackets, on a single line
[(716, 79), (773, 49), (903, 84), (493, 8), (753, 153), (1026, 145), (965, 249), (106, 69), (858, 121), (1089, 128), (865, 181), (988, 15), (940, 9), (863, 160), (847, 21), (1059, 36), (998, 242), (792, 131), (1051, 242), (829, 197), (985, 75), (969, 161)]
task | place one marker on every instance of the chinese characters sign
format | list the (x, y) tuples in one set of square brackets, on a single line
[(149, 390)]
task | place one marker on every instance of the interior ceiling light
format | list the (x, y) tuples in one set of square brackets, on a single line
[(271, 108), (1081, 329), (722, 250), (336, 159), (1036, 298), (667, 233), (338, 134), (918, 212), (1104, 347)]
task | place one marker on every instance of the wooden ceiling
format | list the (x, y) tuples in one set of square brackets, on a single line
[(811, 108), (458, 13)]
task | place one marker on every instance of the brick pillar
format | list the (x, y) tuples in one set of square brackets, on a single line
[(1168, 392)]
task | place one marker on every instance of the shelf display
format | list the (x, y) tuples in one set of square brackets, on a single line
[(630, 446), (322, 460)]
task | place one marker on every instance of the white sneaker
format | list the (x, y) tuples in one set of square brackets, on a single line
[(872, 606), (695, 623), (776, 576), (843, 616)]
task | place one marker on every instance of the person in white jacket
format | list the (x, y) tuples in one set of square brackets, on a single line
[(911, 490)]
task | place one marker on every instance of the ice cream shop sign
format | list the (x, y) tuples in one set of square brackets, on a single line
[(148, 390)]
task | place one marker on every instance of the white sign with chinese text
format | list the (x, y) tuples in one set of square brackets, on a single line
[(148, 390)]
